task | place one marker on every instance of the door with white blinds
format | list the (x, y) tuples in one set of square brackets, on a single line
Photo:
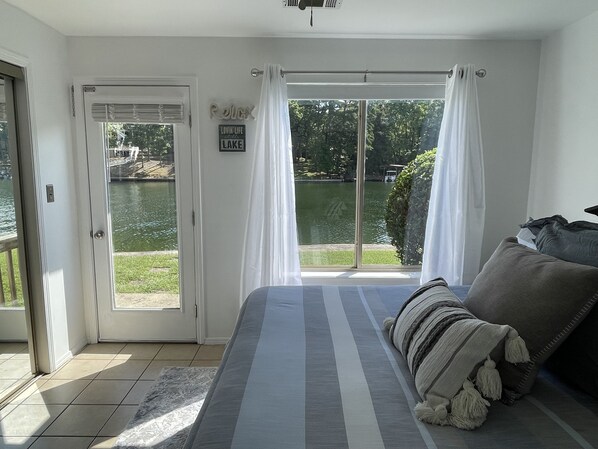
[(141, 193)]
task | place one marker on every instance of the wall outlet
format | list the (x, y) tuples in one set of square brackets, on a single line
[(50, 193)]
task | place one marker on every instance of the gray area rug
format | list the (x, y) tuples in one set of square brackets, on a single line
[(167, 412)]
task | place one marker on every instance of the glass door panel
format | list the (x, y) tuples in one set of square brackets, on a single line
[(143, 212), (402, 136), (16, 363), (324, 134)]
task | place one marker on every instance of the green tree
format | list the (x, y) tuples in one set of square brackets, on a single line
[(325, 134), (154, 141), (407, 208)]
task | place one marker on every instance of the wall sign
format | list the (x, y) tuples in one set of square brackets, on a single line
[(231, 137), (232, 112)]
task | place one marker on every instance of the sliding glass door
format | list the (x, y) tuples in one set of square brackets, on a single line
[(17, 363)]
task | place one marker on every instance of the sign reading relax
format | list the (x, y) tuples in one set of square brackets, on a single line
[(231, 137)]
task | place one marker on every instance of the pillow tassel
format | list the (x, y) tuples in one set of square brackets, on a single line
[(515, 349), (388, 322), (426, 412), (488, 380), (466, 423), (469, 404)]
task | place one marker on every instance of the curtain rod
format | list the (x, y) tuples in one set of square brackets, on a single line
[(256, 72)]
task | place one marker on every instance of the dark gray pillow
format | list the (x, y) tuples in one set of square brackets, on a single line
[(576, 242), (577, 359), (535, 226), (544, 298)]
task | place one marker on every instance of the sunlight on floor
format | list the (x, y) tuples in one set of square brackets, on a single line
[(89, 401)]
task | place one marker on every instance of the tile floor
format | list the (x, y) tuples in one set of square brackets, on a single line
[(89, 401), (15, 368)]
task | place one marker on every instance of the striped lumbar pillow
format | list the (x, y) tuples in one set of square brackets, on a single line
[(449, 352)]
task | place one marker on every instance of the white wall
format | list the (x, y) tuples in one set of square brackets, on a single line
[(46, 51), (565, 159), (222, 65)]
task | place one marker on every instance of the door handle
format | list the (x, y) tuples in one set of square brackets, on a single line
[(99, 235)]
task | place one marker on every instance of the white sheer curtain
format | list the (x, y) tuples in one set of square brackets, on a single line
[(271, 252), (455, 223)]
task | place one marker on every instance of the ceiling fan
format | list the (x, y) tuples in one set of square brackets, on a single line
[(303, 4)]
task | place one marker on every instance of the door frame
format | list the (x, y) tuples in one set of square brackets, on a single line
[(83, 199), (39, 329)]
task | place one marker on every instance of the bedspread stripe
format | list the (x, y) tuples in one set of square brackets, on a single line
[(358, 409), (323, 406), (402, 413), (267, 424)]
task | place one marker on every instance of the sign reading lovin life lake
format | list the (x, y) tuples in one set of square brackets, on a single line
[(231, 137)]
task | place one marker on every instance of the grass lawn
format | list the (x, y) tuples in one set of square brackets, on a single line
[(147, 273), (345, 258), (5, 285), (159, 273)]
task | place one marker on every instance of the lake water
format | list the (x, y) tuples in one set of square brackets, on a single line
[(143, 213)]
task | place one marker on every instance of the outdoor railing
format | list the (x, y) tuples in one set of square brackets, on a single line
[(8, 243)]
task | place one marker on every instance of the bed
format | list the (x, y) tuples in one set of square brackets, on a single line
[(311, 367)]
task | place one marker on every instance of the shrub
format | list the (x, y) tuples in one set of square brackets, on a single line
[(407, 208)]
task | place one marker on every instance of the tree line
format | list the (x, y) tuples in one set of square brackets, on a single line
[(154, 141), (324, 134)]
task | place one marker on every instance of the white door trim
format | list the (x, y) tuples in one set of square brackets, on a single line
[(85, 227), (41, 323)]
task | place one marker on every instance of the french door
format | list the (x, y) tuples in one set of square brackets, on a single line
[(141, 195)]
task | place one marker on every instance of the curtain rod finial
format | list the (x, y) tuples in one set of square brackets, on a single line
[(255, 72), (481, 73)]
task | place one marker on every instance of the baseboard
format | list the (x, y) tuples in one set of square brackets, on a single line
[(67, 356), (216, 340)]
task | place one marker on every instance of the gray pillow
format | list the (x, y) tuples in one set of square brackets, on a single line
[(544, 298), (576, 242)]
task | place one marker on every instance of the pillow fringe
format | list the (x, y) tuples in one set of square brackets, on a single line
[(515, 348), (437, 415), (488, 380), (469, 403)]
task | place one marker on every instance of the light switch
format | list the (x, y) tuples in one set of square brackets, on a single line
[(50, 193)]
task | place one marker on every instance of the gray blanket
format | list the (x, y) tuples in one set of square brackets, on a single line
[(311, 367)]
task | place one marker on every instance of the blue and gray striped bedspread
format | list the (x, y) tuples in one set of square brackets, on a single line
[(311, 367)]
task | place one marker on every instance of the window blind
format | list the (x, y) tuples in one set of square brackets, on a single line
[(138, 113)]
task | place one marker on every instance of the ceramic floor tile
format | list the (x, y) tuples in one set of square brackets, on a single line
[(214, 363), (118, 421), (62, 443), (210, 352), (141, 351), (100, 351), (57, 391), (31, 389), (8, 384), (29, 420), (4, 412), (105, 392), (15, 368), (16, 442), (153, 370), (8, 350), (137, 393), (177, 352), (80, 369), (103, 443), (22, 355), (124, 369), (80, 420)]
